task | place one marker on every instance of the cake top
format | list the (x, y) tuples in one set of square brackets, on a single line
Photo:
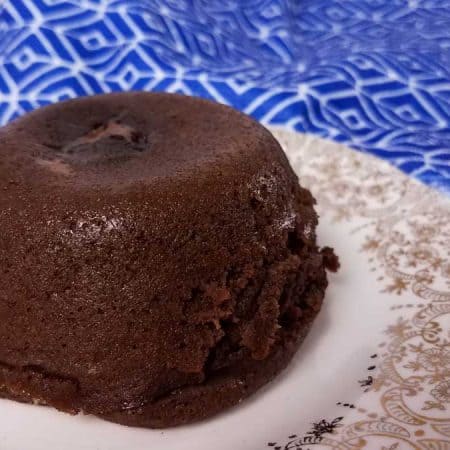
[(126, 138)]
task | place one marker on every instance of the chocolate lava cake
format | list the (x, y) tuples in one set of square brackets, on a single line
[(158, 258)]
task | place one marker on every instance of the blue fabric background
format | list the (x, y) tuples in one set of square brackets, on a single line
[(374, 74)]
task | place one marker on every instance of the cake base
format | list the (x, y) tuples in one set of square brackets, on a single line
[(222, 390)]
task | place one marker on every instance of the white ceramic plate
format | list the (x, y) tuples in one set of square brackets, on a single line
[(375, 370)]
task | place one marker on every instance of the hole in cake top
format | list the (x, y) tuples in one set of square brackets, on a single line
[(113, 129), (109, 142)]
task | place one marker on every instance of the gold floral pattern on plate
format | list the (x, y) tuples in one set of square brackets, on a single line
[(404, 228)]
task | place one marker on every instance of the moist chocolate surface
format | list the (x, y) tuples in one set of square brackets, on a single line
[(158, 258)]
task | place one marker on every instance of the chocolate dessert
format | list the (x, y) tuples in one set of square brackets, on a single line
[(158, 258)]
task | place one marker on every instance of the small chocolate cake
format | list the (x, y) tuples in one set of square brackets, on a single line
[(158, 258)]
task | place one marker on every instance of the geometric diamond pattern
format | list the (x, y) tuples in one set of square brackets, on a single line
[(373, 74)]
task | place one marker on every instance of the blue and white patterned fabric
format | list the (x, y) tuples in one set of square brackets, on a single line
[(374, 74)]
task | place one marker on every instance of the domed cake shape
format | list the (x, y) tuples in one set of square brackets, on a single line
[(158, 258)]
